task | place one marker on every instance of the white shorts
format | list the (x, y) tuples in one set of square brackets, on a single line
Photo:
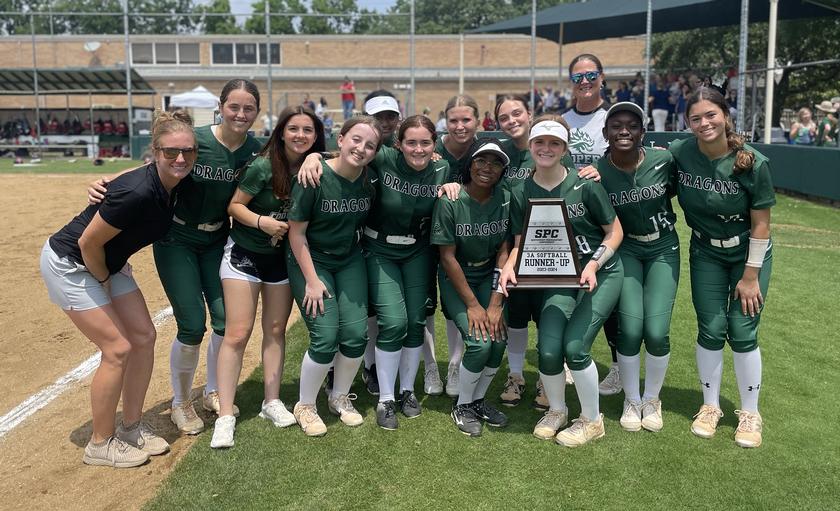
[(72, 287), (239, 263)]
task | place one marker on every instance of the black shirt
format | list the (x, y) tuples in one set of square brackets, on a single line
[(137, 204)]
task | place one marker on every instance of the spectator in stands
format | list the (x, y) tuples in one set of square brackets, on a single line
[(328, 125), (680, 106), (804, 130), (562, 102), (348, 97), (307, 102), (549, 100), (440, 125), (488, 124), (623, 93), (637, 96), (827, 131), (659, 104), (321, 108)]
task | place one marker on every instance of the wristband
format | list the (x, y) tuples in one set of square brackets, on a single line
[(602, 255), (757, 251), (497, 278)]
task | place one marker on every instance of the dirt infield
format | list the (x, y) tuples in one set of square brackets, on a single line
[(41, 458)]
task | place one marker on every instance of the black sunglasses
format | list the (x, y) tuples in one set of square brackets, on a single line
[(171, 153)]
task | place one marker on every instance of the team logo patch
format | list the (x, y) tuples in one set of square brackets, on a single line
[(581, 142)]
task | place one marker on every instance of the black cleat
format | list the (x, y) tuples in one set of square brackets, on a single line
[(489, 414), (409, 405), (370, 380), (466, 420), (386, 415)]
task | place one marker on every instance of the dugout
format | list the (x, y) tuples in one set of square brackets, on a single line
[(92, 130)]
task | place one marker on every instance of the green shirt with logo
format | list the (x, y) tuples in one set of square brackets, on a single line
[(456, 165), (256, 181), (642, 199), (587, 206), (404, 201), (716, 201), (477, 230), (336, 211)]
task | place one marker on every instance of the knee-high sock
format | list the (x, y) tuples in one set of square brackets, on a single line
[(655, 369), (429, 358), (456, 344), (345, 373), (312, 375), (409, 364), (586, 385), (373, 334), (484, 382), (517, 344), (554, 387), (467, 381), (710, 369), (628, 370), (387, 365), (213, 362), (183, 361), (748, 375)]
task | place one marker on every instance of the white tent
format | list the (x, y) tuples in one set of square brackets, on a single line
[(196, 98)]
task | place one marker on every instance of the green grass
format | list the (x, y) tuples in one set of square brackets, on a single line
[(427, 464), (65, 166)]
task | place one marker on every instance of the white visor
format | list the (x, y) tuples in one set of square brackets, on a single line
[(493, 148), (381, 104), (549, 129)]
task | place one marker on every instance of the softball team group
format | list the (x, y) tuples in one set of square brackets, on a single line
[(365, 240)]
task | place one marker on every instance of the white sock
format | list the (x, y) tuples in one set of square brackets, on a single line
[(554, 387), (748, 375), (312, 376), (387, 365), (373, 334), (710, 368), (213, 362), (467, 381), (655, 369), (628, 370), (586, 385), (517, 344), (456, 344), (484, 382), (409, 364), (429, 358), (345, 373), (183, 361)]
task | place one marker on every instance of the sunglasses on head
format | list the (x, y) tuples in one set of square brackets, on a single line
[(590, 76), (494, 165), (171, 153)]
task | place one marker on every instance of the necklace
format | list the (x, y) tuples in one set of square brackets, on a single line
[(635, 166)]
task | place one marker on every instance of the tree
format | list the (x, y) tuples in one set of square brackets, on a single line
[(161, 24), (219, 24), (341, 23), (88, 24), (278, 24), (798, 41)]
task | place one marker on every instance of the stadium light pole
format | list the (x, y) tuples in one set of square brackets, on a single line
[(128, 80), (742, 65), (410, 110), (533, 53), (648, 37), (769, 82), (461, 64), (35, 81), (270, 123)]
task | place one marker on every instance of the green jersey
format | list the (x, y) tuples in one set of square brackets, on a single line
[(256, 182), (207, 192), (717, 202), (476, 230), (403, 205), (336, 211), (456, 165), (587, 205), (521, 166), (642, 199)]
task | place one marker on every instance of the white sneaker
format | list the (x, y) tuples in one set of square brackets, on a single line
[(223, 432), (342, 405), (186, 420), (452, 381), (142, 437), (432, 385), (631, 418), (748, 433), (309, 420), (210, 402), (581, 431), (551, 423), (611, 384), (276, 412), (652, 415)]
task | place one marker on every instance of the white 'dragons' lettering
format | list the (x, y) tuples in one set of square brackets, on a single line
[(410, 189), (345, 205), (708, 184), (653, 191), (483, 229), (214, 174)]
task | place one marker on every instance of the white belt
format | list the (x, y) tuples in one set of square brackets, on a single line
[(734, 241), (392, 239), (477, 263), (649, 237), (201, 227)]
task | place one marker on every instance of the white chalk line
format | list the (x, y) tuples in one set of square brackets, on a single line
[(41, 399)]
